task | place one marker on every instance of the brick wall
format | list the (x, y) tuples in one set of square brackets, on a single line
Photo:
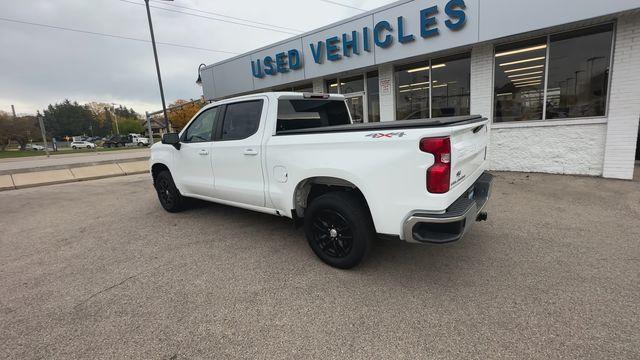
[(624, 103)]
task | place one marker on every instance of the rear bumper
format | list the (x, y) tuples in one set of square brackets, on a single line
[(455, 221)]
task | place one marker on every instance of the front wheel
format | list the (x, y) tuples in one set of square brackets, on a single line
[(73, 147), (88, 146), (168, 194), (339, 229)]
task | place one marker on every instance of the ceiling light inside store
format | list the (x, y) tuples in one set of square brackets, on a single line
[(524, 68), (528, 78), (522, 61), (511, 52), (425, 68), (530, 84), (525, 74)]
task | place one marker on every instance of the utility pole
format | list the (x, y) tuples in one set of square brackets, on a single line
[(155, 55), (115, 117), (146, 113), (44, 137), (13, 110)]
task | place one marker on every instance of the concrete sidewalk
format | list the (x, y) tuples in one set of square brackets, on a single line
[(56, 162), (71, 173)]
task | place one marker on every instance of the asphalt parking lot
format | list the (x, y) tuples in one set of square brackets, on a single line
[(97, 269)]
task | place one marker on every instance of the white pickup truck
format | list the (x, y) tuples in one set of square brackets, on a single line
[(300, 156)]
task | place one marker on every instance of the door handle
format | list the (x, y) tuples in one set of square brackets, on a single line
[(203, 152), (250, 152)]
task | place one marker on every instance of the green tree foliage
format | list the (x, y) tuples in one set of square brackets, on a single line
[(69, 119), (97, 119), (130, 125)]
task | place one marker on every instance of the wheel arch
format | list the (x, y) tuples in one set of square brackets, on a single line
[(157, 168), (310, 188)]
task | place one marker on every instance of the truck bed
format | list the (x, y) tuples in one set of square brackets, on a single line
[(388, 125)]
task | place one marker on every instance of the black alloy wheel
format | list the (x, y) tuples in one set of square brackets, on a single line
[(169, 196), (332, 233), (339, 228)]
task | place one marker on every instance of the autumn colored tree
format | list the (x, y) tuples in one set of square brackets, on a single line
[(181, 111), (21, 130)]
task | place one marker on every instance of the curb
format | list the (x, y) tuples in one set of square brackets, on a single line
[(23, 180)]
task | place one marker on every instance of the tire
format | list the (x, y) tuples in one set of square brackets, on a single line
[(88, 146), (73, 147), (140, 144), (339, 229), (168, 194)]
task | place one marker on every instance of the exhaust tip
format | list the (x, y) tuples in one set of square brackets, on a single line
[(482, 216)]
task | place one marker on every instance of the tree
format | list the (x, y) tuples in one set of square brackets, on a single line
[(22, 130), (130, 125), (69, 118), (5, 131), (183, 111)]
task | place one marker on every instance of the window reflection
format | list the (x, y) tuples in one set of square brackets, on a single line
[(579, 72), (412, 91), (519, 80), (450, 86)]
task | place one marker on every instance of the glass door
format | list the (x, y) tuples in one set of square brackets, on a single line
[(355, 102)]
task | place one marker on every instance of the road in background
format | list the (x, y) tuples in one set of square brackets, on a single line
[(8, 165), (98, 270)]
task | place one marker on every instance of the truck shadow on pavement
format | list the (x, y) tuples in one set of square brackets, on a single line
[(384, 255)]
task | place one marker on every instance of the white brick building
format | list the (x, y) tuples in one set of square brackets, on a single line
[(560, 80)]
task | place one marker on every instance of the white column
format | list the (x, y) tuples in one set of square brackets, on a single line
[(318, 86), (482, 80), (624, 100), (386, 84)]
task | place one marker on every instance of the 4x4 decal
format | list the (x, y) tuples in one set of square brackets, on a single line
[(385, 135)]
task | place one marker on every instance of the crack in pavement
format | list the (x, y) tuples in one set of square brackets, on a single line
[(114, 286)]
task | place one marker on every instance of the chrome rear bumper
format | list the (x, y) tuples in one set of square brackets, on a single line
[(451, 225)]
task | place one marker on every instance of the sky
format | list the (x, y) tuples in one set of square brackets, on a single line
[(41, 66)]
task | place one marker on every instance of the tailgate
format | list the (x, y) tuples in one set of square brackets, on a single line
[(468, 151)]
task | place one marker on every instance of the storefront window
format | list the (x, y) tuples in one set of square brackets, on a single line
[(577, 76), (373, 96), (579, 72), (303, 88), (519, 80), (332, 86), (352, 85), (412, 91), (450, 86)]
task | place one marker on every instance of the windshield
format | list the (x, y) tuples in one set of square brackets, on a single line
[(310, 113)]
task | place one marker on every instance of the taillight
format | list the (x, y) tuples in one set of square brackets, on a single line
[(438, 174)]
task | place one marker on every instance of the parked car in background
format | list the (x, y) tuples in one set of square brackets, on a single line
[(138, 140), (82, 145), (115, 141), (34, 147)]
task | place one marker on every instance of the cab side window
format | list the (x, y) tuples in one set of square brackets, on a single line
[(201, 129), (241, 120)]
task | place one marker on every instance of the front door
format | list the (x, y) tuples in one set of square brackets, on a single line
[(237, 153), (192, 162), (355, 102)]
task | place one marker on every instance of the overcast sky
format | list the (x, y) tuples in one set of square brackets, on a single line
[(39, 66)]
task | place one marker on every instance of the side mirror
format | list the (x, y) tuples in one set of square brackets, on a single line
[(171, 139)]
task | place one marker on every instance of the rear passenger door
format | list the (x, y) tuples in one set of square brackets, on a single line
[(237, 152)]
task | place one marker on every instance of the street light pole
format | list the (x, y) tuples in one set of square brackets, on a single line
[(155, 55)]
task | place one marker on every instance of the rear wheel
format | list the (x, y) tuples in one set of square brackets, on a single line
[(73, 147), (339, 229), (168, 194), (88, 146)]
